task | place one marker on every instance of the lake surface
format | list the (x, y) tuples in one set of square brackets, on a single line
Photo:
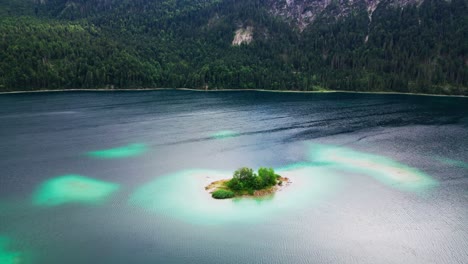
[(118, 177)]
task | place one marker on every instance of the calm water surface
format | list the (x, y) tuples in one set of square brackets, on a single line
[(89, 177)]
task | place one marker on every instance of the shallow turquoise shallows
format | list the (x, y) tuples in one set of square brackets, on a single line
[(10, 255), (224, 134), (385, 170), (72, 189), (130, 150), (7, 256), (183, 195)]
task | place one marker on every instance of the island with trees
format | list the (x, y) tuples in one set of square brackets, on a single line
[(245, 182)]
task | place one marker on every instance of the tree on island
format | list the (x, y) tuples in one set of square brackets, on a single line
[(246, 181)]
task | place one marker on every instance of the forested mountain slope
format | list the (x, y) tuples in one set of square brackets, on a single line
[(364, 45)]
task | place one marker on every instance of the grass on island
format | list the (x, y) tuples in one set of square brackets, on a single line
[(245, 182), (223, 194)]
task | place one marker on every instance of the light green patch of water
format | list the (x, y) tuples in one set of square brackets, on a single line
[(452, 162), (130, 150), (383, 169), (224, 134), (73, 189), (8, 256), (182, 195)]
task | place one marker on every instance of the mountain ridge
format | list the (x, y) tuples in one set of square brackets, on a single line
[(303, 12)]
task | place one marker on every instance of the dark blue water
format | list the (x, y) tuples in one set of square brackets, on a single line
[(393, 190)]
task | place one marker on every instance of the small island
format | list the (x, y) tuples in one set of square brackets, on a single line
[(245, 182)]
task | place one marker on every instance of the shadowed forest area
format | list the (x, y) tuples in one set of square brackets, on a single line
[(118, 44)]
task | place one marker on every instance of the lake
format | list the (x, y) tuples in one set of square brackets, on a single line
[(119, 177)]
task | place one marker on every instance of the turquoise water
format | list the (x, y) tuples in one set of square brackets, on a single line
[(182, 195), (392, 173), (120, 178), (72, 189), (119, 152)]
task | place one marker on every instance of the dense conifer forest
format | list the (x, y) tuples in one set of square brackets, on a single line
[(118, 44)]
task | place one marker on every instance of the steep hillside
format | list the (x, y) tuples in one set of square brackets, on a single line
[(366, 45)]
